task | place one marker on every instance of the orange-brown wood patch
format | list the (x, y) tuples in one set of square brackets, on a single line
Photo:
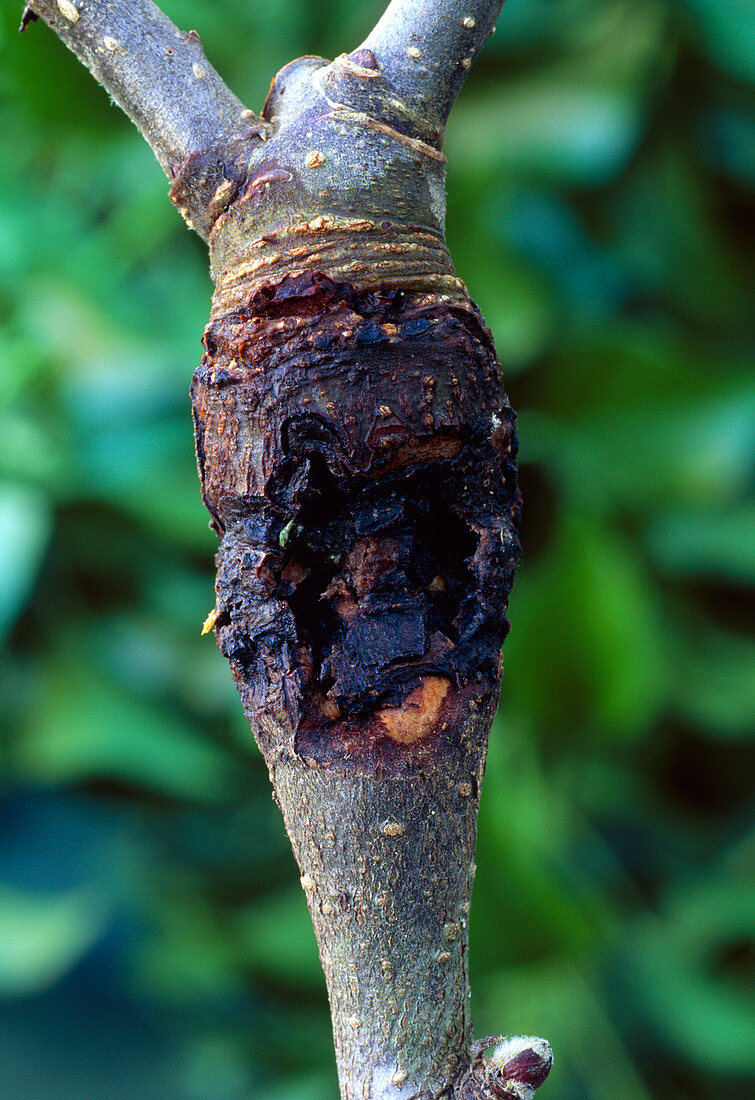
[(417, 716)]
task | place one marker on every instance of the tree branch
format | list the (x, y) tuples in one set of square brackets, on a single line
[(357, 454), (426, 48), (156, 73)]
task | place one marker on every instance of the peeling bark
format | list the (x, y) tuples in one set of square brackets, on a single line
[(357, 456), (357, 453)]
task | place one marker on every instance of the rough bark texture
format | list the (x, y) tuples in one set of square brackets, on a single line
[(357, 452), (357, 457)]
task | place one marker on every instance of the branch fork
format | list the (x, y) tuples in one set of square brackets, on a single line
[(357, 454)]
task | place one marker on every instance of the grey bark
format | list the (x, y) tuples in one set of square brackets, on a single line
[(387, 864), (426, 48), (342, 175), (156, 73)]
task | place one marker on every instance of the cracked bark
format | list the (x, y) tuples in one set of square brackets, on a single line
[(357, 457)]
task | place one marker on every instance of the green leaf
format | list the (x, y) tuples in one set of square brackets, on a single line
[(24, 531), (714, 686), (547, 125), (711, 542), (566, 1005), (43, 937), (678, 963), (86, 728), (727, 34), (586, 650), (730, 136), (317, 1086), (682, 232), (276, 939)]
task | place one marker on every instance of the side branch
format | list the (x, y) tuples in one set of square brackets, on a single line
[(156, 73), (426, 48)]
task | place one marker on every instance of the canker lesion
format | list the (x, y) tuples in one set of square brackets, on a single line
[(366, 557), (377, 581)]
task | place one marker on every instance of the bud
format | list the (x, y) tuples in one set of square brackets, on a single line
[(521, 1061)]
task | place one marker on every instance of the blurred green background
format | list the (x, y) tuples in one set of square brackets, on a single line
[(154, 943)]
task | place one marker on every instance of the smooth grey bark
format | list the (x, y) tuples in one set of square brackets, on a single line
[(341, 179), (387, 865), (156, 73), (426, 48)]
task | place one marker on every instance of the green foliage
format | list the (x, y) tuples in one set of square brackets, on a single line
[(153, 941)]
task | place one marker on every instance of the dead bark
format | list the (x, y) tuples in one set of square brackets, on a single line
[(357, 457)]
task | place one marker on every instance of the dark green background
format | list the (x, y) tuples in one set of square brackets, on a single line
[(154, 942)]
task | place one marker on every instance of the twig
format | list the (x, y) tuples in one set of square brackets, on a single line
[(427, 47), (155, 72)]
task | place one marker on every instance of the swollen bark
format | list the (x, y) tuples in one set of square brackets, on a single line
[(356, 451), (357, 457)]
